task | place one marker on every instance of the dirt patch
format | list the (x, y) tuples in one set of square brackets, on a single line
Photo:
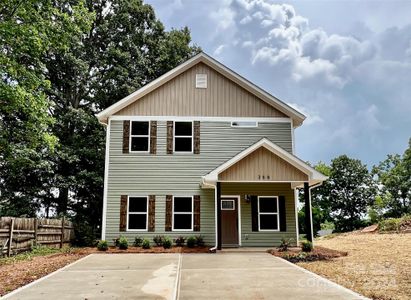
[(318, 253), (377, 265)]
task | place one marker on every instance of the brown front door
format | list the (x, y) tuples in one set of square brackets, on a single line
[(229, 221)]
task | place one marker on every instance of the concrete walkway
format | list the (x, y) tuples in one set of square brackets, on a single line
[(186, 276)]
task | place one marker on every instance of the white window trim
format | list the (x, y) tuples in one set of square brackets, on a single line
[(255, 125), (230, 200), (137, 213), (183, 213), (139, 135), (183, 136), (271, 213)]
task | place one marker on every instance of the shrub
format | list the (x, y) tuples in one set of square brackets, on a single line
[(390, 224), (122, 243), (200, 241), (146, 244), (180, 241), (158, 240), (102, 245), (191, 242), (116, 241), (285, 244), (138, 241), (307, 246), (167, 243)]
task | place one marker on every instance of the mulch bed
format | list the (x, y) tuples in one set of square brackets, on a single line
[(295, 255), (154, 250)]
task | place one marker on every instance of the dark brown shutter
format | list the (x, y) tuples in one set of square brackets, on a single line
[(126, 136), (283, 220), (254, 213), (170, 125), (197, 213), (196, 137), (123, 212), (169, 212), (151, 212), (153, 137)]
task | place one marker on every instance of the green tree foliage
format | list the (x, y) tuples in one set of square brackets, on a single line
[(351, 191), (394, 174), (28, 31)]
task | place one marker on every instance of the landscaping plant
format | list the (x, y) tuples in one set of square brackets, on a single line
[(167, 243), (138, 241), (102, 245), (180, 241), (285, 244), (191, 242), (306, 246), (122, 243), (158, 240), (200, 241), (146, 244)]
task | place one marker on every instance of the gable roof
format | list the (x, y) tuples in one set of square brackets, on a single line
[(314, 177), (296, 116)]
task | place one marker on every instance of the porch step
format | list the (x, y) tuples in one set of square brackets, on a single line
[(244, 250)]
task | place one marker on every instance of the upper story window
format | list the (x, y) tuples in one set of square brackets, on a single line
[(268, 216), (183, 137), (137, 213), (244, 124), (140, 136), (183, 213)]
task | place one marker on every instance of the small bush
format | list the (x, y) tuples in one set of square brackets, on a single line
[(285, 244), (167, 243), (116, 241), (146, 244), (102, 245), (138, 241), (191, 242), (180, 241), (200, 241), (158, 240), (306, 246), (390, 224), (122, 243)]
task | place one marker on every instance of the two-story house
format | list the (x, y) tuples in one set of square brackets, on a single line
[(203, 151)]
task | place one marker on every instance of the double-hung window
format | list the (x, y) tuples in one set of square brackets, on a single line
[(137, 213), (183, 137), (183, 213), (140, 136), (268, 216)]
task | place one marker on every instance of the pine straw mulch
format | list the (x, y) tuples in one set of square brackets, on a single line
[(377, 265), (295, 255), (16, 273)]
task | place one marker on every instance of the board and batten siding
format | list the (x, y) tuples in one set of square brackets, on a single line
[(161, 174), (251, 238), (180, 97)]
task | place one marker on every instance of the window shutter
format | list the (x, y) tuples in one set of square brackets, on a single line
[(126, 136), (151, 212), (197, 213), (169, 211), (123, 212), (196, 137), (283, 220), (170, 137), (153, 137), (254, 213)]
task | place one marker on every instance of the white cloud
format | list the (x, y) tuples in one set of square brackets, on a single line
[(312, 117), (219, 50)]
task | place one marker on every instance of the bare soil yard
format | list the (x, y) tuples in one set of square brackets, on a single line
[(377, 265)]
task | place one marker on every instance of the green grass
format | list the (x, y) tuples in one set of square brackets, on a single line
[(36, 251)]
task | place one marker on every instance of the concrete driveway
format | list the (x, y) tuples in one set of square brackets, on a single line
[(182, 276)]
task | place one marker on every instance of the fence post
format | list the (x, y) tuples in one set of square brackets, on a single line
[(10, 237), (62, 233), (36, 225)]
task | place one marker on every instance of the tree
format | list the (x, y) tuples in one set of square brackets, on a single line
[(28, 30), (126, 47), (352, 191), (394, 174)]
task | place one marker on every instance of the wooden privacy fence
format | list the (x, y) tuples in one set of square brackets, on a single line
[(20, 234)]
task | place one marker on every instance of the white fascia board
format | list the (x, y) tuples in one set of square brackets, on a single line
[(211, 62), (313, 175)]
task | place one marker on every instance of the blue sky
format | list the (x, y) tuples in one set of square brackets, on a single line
[(345, 64)]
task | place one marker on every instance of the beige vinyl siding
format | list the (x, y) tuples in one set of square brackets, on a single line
[(262, 162), (250, 238), (142, 174), (180, 97)]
